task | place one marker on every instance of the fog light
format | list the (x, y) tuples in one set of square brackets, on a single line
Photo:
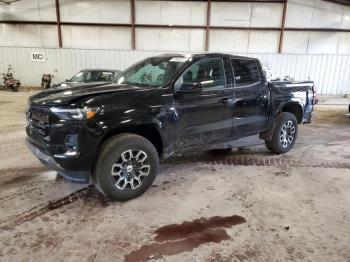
[(71, 144)]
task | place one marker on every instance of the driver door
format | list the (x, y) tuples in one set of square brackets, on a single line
[(204, 116)]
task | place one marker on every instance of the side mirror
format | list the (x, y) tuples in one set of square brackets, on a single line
[(190, 88)]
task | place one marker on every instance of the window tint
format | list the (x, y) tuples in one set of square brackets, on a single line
[(246, 71), (210, 73)]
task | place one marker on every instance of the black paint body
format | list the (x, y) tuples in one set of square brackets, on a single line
[(176, 121)]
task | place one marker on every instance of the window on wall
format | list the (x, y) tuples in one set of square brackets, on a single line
[(210, 73), (246, 71)]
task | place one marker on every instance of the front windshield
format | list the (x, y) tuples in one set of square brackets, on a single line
[(78, 77), (152, 72)]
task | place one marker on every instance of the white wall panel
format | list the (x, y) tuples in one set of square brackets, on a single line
[(246, 14), (102, 11), (230, 14), (323, 43), (94, 37), (295, 42), (344, 44), (170, 39), (329, 72), (266, 15), (326, 15), (316, 43), (34, 10), (228, 41), (263, 42), (299, 13), (317, 14), (346, 17), (170, 12), (28, 35), (148, 12)]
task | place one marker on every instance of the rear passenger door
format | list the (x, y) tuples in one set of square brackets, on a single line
[(250, 112)]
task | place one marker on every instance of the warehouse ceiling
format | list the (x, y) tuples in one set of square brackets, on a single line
[(342, 2)]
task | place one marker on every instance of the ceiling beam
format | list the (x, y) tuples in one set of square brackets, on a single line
[(58, 23), (12, 22), (340, 2), (133, 33), (207, 27), (283, 23)]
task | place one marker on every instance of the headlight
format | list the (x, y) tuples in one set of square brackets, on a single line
[(74, 113)]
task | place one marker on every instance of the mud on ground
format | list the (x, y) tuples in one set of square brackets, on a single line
[(248, 205)]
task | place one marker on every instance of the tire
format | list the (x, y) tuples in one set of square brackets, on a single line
[(122, 155), (14, 89), (284, 135)]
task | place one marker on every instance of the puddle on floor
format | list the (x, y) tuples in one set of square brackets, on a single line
[(177, 238)]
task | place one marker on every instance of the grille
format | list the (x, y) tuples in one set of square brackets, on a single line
[(38, 120)]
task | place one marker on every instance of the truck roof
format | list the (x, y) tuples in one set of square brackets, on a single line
[(206, 55)]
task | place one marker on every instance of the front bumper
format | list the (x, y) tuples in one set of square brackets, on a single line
[(50, 162)]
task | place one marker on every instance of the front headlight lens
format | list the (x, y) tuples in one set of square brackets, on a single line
[(75, 113)]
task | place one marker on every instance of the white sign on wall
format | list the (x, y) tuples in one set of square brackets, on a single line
[(37, 57)]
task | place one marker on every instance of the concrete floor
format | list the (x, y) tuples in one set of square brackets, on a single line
[(249, 205)]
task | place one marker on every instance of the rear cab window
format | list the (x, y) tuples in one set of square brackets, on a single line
[(246, 72)]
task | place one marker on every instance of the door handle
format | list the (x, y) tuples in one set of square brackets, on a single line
[(227, 101)]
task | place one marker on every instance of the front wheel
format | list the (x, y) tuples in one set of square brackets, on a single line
[(284, 135), (126, 167)]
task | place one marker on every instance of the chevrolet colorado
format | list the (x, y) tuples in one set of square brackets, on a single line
[(114, 135)]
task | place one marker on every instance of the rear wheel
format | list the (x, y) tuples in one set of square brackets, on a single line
[(126, 167), (284, 135)]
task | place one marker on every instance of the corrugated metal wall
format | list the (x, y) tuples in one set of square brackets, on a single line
[(331, 73)]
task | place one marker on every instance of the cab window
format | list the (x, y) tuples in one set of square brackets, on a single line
[(209, 72), (246, 71)]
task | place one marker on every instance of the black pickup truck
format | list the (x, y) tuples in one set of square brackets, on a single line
[(114, 135)]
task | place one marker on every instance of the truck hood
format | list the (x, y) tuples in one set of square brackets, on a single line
[(66, 96), (67, 86)]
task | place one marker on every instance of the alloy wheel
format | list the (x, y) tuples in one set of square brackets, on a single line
[(131, 169), (287, 133)]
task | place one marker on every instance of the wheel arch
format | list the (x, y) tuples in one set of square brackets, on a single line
[(294, 108), (146, 130)]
